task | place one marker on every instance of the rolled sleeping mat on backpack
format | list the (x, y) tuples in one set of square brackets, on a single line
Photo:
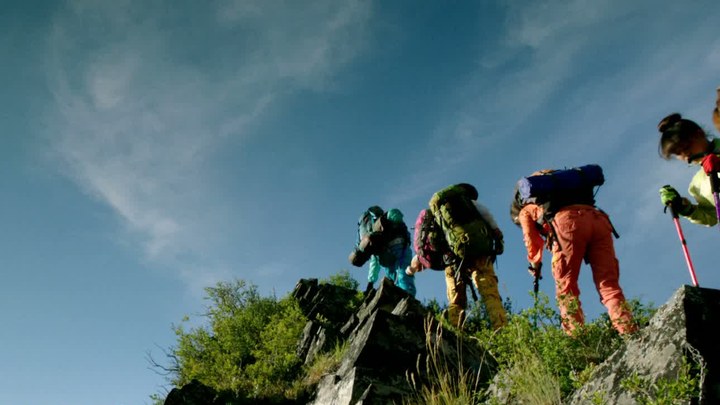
[(358, 258), (369, 245), (540, 188), (362, 252)]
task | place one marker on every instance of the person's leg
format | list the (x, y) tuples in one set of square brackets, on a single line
[(457, 298), (403, 280), (571, 232), (483, 276), (606, 274)]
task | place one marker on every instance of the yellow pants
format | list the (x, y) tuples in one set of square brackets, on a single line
[(483, 276)]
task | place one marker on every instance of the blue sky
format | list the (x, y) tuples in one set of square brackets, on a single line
[(153, 148)]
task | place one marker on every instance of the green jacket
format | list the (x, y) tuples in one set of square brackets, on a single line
[(704, 212)]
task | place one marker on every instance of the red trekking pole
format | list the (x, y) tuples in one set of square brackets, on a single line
[(691, 268)]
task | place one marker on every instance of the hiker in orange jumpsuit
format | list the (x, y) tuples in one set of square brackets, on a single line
[(578, 232)]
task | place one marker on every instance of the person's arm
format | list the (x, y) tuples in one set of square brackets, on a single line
[(534, 242), (703, 212)]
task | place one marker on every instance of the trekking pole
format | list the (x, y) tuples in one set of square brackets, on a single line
[(715, 187), (469, 282), (536, 290), (691, 268)]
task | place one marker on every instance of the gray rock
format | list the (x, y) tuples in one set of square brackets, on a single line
[(683, 328)]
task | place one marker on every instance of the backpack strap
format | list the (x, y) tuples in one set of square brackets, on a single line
[(552, 236), (614, 231)]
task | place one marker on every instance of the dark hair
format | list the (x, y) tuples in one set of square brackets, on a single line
[(515, 206), (677, 133)]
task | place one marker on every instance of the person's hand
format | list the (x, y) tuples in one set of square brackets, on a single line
[(670, 197), (711, 163), (535, 269), (414, 267)]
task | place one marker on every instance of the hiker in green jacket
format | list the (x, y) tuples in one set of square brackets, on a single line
[(687, 141)]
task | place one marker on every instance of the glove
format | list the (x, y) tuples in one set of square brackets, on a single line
[(711, 163), (668, 194), (670, 197)]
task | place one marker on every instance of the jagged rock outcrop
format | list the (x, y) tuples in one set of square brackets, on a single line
[(327, 307), (387, 342), (683, 328)]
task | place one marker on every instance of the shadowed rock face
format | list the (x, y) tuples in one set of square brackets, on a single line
[(194, 393), (684, 328)]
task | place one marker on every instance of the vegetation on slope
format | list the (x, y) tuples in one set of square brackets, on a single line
[(246, 350)]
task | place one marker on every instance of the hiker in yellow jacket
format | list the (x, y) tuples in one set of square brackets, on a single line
[(687, 141)]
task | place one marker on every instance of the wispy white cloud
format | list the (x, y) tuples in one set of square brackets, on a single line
[(143, 99)]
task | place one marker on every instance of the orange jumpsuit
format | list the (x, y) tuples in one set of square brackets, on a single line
[(580, 232)]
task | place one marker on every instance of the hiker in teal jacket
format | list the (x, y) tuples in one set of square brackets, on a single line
[(395, 271), (687, 141), (383, 238)]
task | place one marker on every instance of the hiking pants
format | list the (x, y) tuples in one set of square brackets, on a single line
[(483, 276), (584, 232)]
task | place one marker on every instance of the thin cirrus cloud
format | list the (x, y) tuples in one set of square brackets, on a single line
[(575, 67), (141, 100)]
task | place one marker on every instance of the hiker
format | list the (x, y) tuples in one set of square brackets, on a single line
[(384, 240), (566, 222), (686, 140), (471, 240)]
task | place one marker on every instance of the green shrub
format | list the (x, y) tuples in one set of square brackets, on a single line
[(247, 346), (277, 362), (325, 363), (342, 279), (540, 363)]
